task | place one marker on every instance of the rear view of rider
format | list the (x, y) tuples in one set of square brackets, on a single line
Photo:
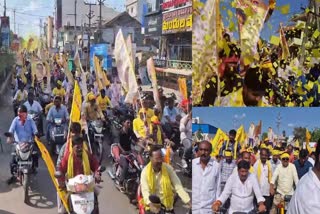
[(186, 136), (20, 96), (23, 129), (34, 106)]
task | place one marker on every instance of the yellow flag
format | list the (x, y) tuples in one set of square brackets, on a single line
[(76, 104), (47, 159), (217, 142), (182, 82), (98, 73), (241, 136)]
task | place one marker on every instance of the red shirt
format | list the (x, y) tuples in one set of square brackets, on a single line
[(77, 164)]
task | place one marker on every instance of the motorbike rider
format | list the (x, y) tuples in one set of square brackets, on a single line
[(20, 96), (59, 90), (156, 133), (169, 118), (186, 136), (22, 130), (140, 125), (56, 111), (103, 101), (160, 179), (127, 138), (78, 161), (34, 106)]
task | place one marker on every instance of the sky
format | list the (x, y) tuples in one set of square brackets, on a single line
[(29, 12), (274, 20), (225, 118)]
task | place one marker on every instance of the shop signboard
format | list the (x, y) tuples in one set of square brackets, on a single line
[(179, 20)]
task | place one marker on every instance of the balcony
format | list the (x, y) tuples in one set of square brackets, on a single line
[(174, 64)]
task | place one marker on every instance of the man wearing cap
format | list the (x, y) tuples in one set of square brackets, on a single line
[(59, 91), (302, 164), (156, 132), (275, 159), (231, 145), (263, 171), (205, 180), (92, 111), (227, 166), (309, 184), (285, 176)]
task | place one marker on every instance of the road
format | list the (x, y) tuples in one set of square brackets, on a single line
[(43, 195)]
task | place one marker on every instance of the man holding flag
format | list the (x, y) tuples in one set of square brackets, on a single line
[(231, 145)]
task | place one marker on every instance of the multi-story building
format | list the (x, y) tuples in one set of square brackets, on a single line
[(153, 22), (135, 9)]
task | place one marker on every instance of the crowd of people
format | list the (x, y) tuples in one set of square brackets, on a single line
[(272, 81), (140, 122), (255, 178)]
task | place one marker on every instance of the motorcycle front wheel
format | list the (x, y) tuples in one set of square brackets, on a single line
[(25, 183)]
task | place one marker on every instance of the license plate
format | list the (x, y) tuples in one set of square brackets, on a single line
[(25, 162), (81, 202)]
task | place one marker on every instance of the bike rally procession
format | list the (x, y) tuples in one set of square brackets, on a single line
[(159, 106)]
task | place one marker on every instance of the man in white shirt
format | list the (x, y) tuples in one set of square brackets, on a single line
[(263, 171), (285, 176), (275, 160), (34, 106), (242, 188), (251, 135), (205, 180), (169, 117), (301, 202)]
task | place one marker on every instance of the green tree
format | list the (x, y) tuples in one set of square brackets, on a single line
[(299, 133), (315, 135)]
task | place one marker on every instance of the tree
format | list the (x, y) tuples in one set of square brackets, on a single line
[(315, 135), (299, 133), (264, 135)]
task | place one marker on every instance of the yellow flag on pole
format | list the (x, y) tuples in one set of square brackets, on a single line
[(217, 142), (47, 159), (152, 73), (76, 104), (98, 74), (241, 136), (182, 82)]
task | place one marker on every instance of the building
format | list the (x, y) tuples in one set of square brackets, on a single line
[(153, 23), (135, 9), (175, 51), (206, 130), (65, 20)]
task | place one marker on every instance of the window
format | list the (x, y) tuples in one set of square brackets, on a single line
[(131, 10), (152, 5)]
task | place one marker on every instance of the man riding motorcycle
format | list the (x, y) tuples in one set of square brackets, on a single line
[(59, 91), (103, 101), (20, 96), (56, 111), (140, 125), (35, 107), (78, 161), (126, 139), (23, 129), (186, 135)]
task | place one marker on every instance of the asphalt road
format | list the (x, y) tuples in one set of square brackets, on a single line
[(43, 194)]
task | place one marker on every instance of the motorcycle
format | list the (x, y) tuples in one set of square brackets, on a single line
[(82, 198), (58, 136), (96, 132), (161, 209), (25, 164), (132, 179), (113, 126), (45, 99), (283, 205), (36, 117)]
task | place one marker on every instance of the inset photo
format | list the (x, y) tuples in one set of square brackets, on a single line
[(255, 160), (256, 53)]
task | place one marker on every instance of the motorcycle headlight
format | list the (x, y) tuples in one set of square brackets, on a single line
[(98, 129)]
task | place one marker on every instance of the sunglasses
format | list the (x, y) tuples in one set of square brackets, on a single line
[(285, 159)]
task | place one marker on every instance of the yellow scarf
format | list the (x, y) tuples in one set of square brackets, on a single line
[(85, 163), (269, 170), (166, 185), (251, 170)]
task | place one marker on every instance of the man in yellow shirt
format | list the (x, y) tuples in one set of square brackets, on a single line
[(92, 111), (159, 178), (103, 101), (251, 94), (59, 91), (140, 126)]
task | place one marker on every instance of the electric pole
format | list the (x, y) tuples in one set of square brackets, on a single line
[(90, 16), (75, 15), (101, 2), (278, 122), (5, 8), (14, 20)]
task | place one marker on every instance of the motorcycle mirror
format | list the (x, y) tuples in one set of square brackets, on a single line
[(102, 168), (8, 134), (154, 199), (57, 174)]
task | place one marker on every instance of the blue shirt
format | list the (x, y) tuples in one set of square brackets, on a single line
[(23, 133), (302, 170), (62, 113)]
